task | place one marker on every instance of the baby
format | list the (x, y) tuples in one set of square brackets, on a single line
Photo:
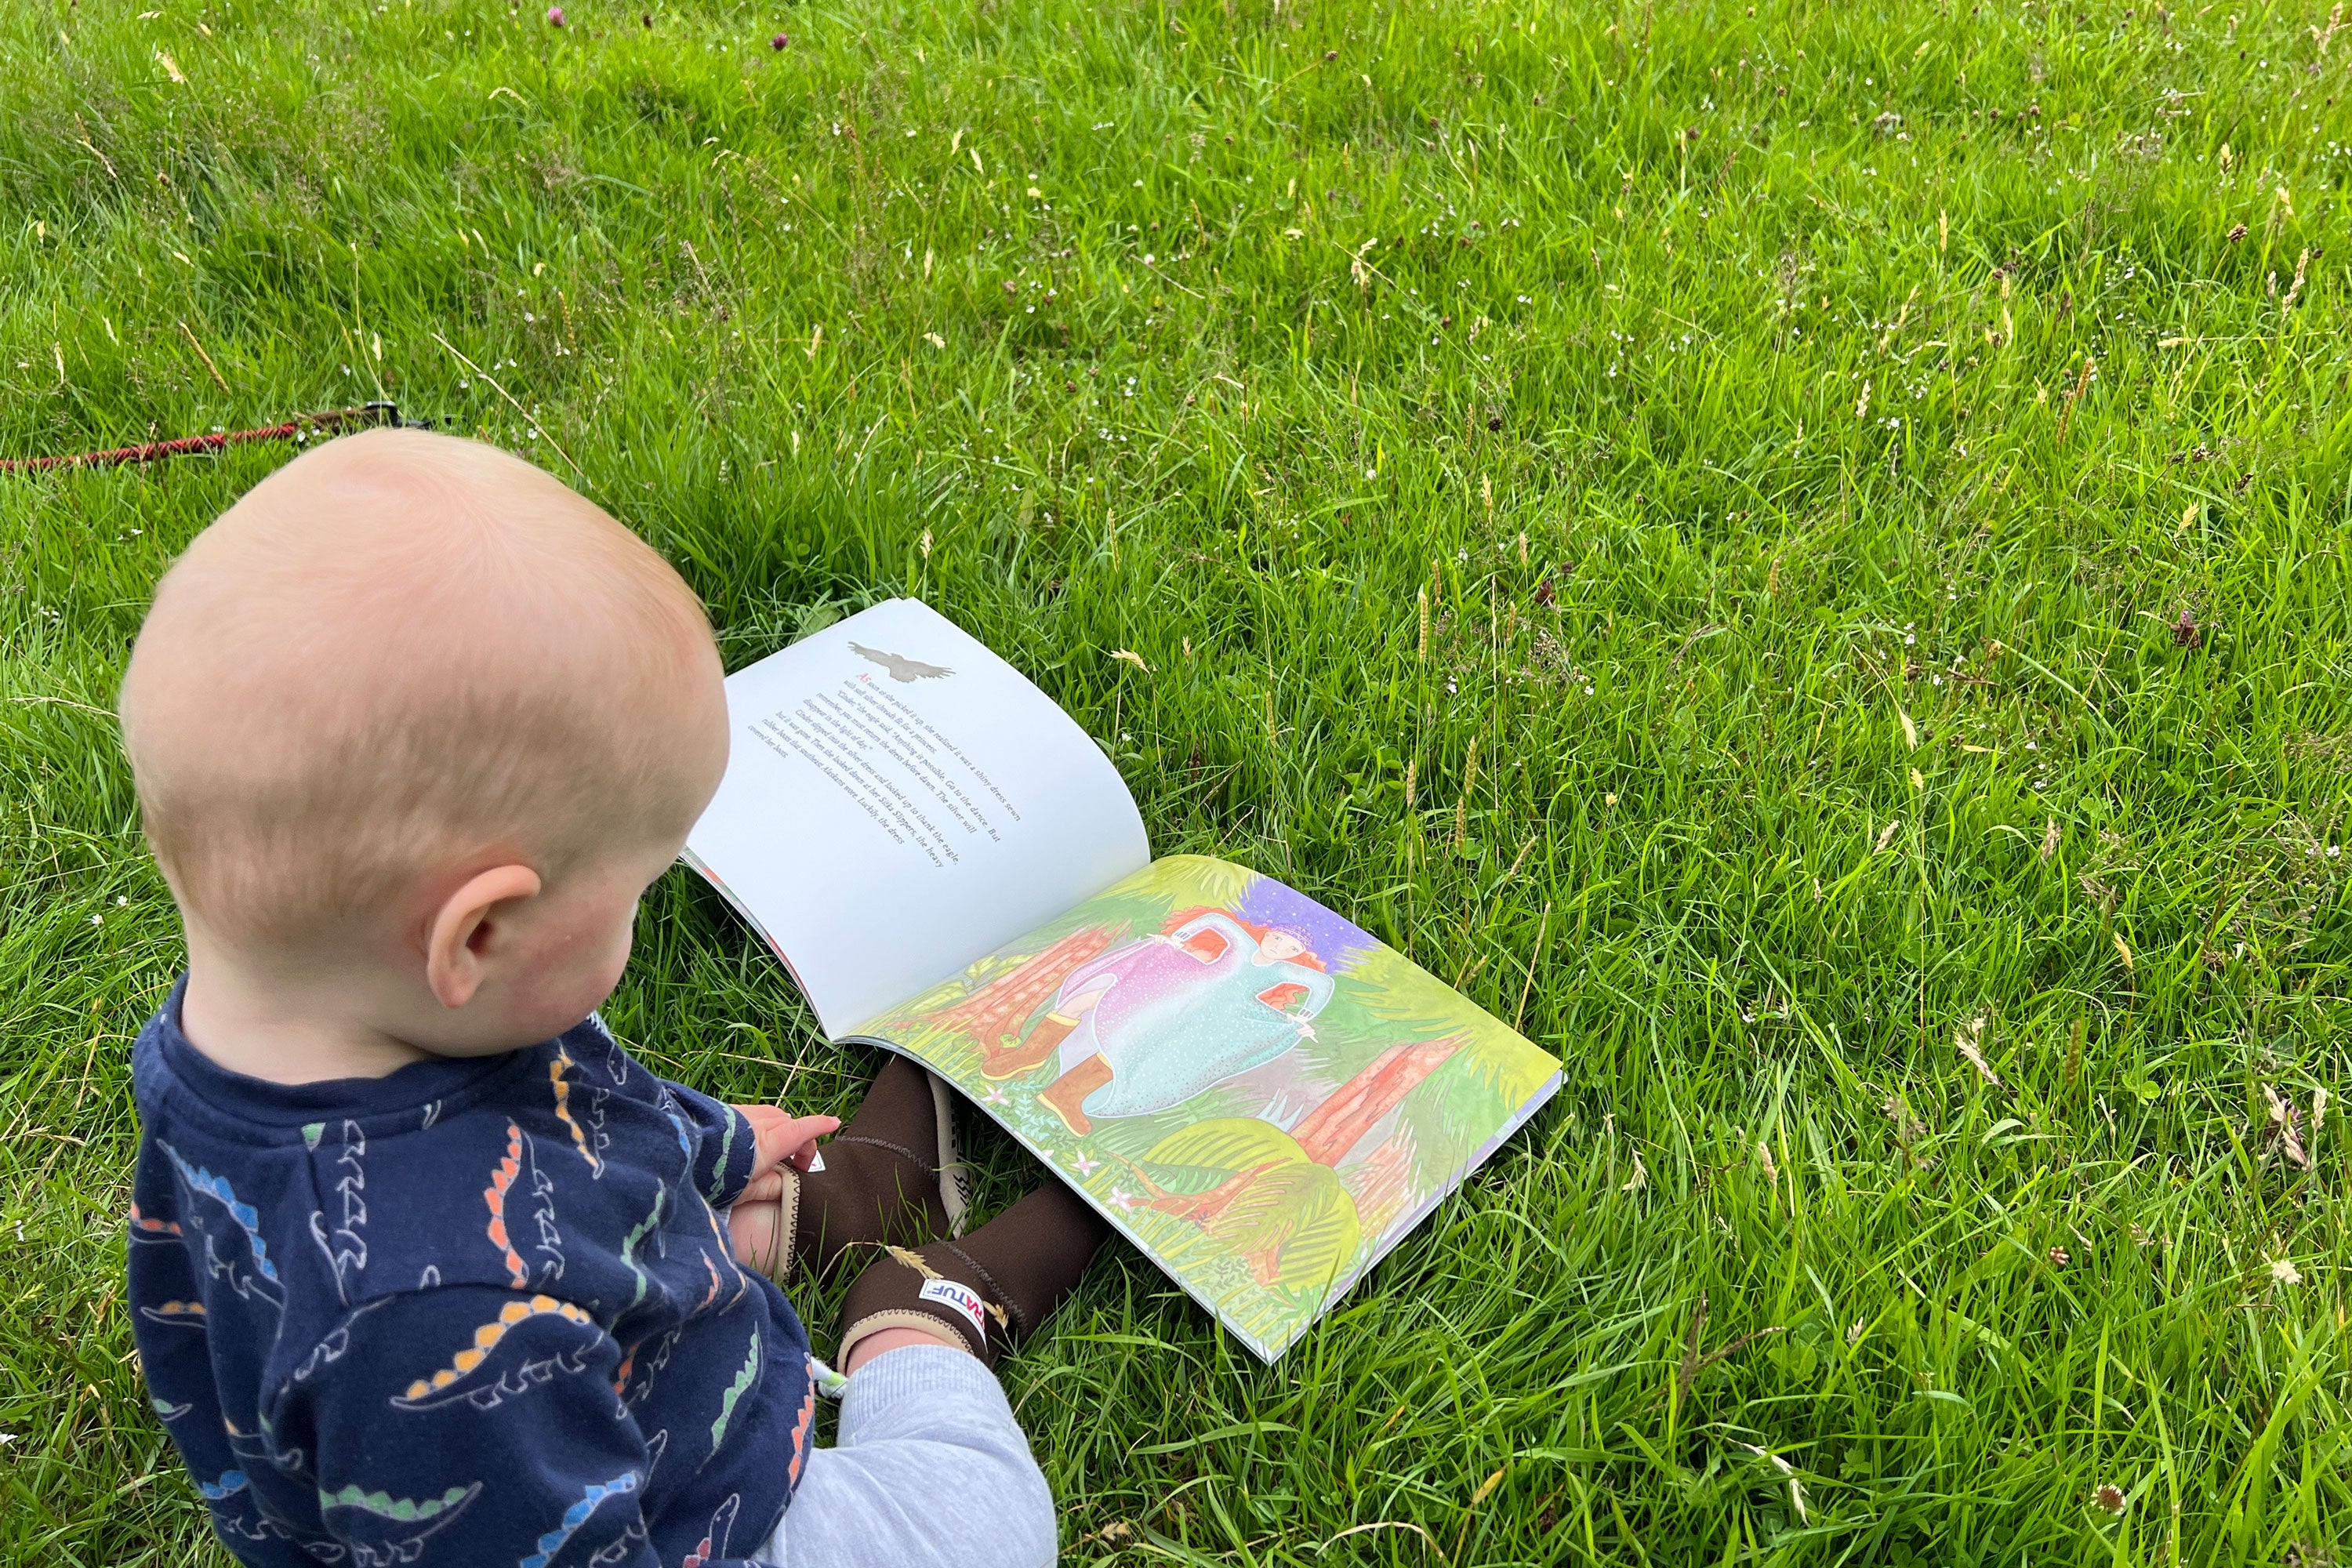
[(425, 1267)]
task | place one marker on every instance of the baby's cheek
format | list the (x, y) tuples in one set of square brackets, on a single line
[(618, 947), (574, 978), (601, 960)]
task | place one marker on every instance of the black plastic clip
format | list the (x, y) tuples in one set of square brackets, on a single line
[(388, 413)]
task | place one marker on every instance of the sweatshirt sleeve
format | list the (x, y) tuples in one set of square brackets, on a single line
[(468, 1426), (728, 1147)]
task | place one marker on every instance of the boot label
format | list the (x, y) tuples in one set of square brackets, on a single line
[(959, 1298)]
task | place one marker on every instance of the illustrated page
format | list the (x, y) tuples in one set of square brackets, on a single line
[(1261, 1096), (899, 802)]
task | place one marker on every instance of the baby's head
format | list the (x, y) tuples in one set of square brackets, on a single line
[(414, 723)]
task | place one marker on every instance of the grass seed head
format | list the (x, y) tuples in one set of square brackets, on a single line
[(1966, 1040), (2286, 1127), (1462, 806)]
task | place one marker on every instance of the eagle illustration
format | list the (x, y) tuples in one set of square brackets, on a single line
[(900, 666)]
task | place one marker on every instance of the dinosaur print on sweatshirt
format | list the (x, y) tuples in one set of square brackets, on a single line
[(459, 1316), (483, 1377)]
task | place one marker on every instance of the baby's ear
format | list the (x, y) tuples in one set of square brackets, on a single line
[(459, 939)]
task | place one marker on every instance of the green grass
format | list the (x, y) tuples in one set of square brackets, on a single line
[(1721, 376)]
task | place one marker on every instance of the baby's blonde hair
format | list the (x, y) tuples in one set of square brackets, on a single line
[(399, 651)]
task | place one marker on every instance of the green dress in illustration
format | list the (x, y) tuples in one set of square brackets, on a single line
[(1153, 1023)]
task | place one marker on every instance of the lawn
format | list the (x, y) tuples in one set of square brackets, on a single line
[(1798, 553)]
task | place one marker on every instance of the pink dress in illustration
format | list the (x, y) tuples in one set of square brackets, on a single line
[(1149, 1024)]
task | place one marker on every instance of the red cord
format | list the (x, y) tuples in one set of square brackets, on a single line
[(332, 419)]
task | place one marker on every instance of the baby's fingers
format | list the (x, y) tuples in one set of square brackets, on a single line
[(766, 1187), (792, 1138)]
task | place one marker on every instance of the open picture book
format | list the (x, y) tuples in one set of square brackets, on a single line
[(1260, 1095)]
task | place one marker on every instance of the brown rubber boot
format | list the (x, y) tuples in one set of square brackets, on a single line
[(993, 1288), (1012, 1058), (893, 1177), (1067, 1095)]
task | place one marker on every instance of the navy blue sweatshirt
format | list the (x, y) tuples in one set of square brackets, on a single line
[(473, 1312)]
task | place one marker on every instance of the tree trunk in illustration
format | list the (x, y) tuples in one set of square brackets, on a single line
[(1325, 1137), (999, 1008), (1203, 1208), (1334, 1127)]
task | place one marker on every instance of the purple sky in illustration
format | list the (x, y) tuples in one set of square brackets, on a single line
[(1336, 942)]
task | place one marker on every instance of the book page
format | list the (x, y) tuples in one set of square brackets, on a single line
[(899, 802), (1261, 1096)]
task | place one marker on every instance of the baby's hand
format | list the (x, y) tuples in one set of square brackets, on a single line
[(784, 1138), (752, 1224)]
